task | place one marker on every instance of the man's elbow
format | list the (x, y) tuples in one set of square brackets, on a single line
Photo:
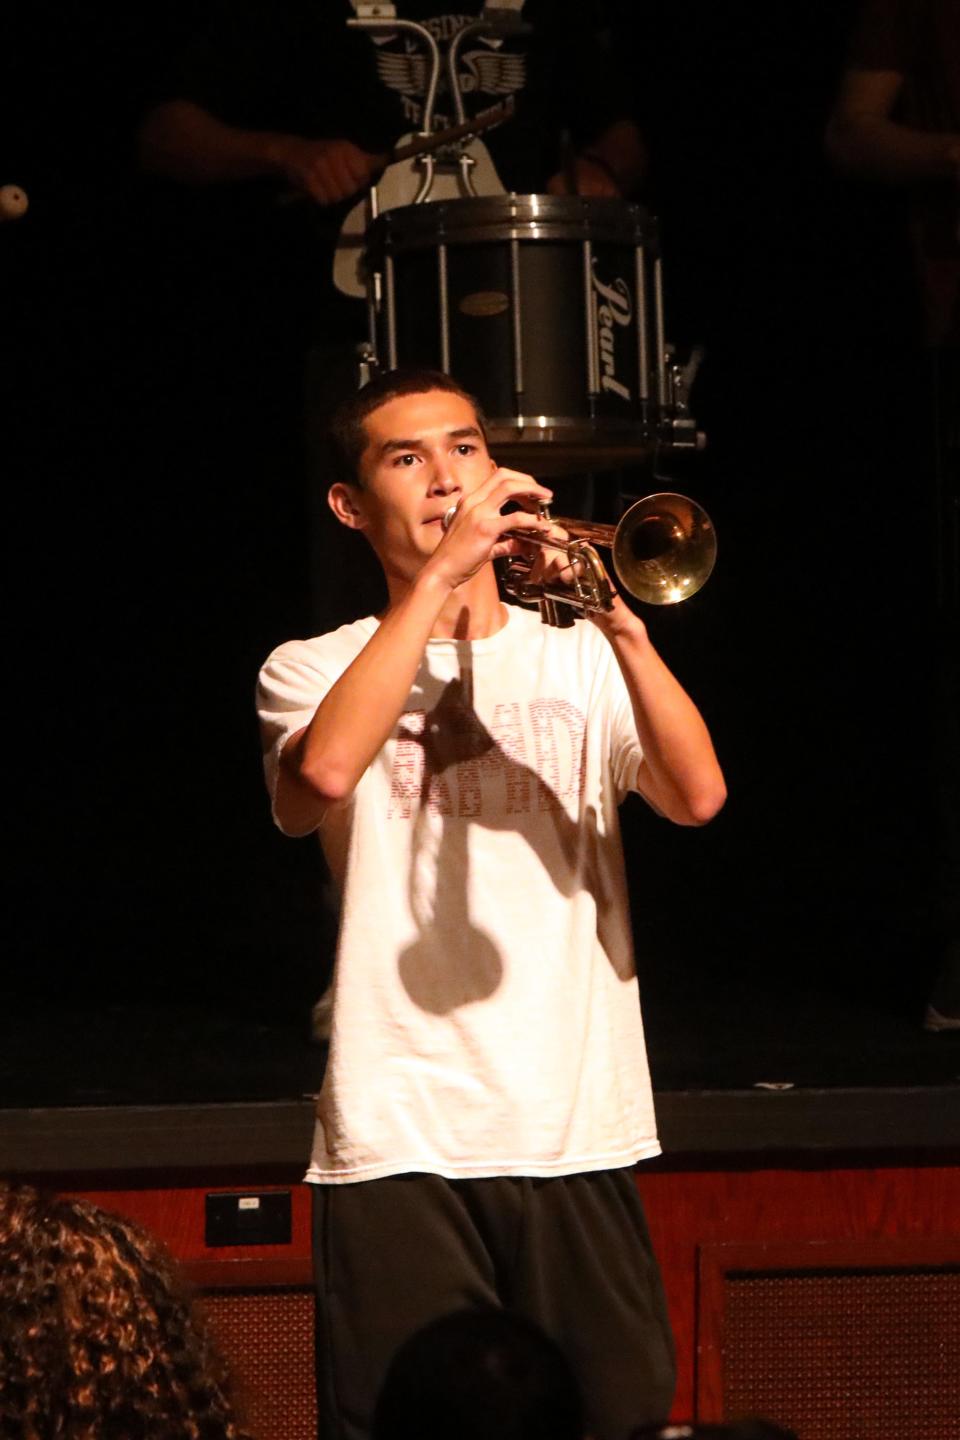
[(315, 778), (327, 783), (705, 805)]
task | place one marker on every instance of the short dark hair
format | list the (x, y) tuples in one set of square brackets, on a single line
[(346, 433)]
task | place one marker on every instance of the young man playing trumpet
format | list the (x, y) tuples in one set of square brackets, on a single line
[(487, 1091)]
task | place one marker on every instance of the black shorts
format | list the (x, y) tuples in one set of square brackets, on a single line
[(571, 1252)]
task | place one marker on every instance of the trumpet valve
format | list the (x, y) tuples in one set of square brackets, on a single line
[(591, 583), (555, 612)]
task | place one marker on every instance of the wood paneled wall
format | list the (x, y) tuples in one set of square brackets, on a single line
[(689, 1210)]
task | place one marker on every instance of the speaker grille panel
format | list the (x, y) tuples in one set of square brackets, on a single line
[(845, 1356), (266, 1336)]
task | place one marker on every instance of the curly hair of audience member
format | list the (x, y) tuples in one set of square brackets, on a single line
[(98, 1337)]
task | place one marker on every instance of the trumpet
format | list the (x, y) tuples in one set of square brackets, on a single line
[(663, 551)]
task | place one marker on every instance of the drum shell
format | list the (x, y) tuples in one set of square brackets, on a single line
[(541, 306)]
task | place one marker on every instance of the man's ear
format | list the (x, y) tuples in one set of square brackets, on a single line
[(346, 503)]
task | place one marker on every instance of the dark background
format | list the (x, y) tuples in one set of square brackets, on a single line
[(162, 938)]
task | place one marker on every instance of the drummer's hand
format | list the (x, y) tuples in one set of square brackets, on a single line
[(588, 179), (476, 533), (327, 170)]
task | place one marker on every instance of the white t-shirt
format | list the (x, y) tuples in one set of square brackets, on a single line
[(486, 1017)]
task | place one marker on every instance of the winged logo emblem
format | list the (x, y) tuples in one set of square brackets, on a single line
[(404, 73), (483, 72), (494, 73)]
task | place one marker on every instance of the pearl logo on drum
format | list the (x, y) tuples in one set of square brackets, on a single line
[(613, 306)]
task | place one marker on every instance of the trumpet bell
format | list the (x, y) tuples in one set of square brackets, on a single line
[(664, 549)]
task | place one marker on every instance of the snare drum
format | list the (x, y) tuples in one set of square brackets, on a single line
[(547, 308)]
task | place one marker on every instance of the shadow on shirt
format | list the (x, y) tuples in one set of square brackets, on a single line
[(440, 978)]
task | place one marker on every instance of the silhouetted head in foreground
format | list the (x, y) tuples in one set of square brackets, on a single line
[(476, 1374), (97, 1338)]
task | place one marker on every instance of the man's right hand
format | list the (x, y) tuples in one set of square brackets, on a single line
[(477, 533), (326, 170)]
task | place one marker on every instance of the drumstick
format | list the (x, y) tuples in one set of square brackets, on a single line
[(428, 144)]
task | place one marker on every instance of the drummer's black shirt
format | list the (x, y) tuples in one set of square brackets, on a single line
[(293, 66)]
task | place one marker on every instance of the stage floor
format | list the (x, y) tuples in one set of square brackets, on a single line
[(726, 1031)]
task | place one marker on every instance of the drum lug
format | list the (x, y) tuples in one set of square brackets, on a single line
[(367, 366), (678, 428), (679, 432)]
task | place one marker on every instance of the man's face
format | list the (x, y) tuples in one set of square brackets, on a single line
[(423, 453)]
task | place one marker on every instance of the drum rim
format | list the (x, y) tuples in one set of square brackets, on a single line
[(491, 218), (537, 425)]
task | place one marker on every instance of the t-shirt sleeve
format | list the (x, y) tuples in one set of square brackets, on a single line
[(292, 684)]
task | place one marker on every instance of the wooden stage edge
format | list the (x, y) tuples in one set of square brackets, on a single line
[(809, 1242), (751, 1124)]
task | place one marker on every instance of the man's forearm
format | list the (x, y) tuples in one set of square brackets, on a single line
[(685, 779), (185, 142), (357, 717), (876, 148)]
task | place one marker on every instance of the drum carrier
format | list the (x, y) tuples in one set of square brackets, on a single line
[(549, 309)]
